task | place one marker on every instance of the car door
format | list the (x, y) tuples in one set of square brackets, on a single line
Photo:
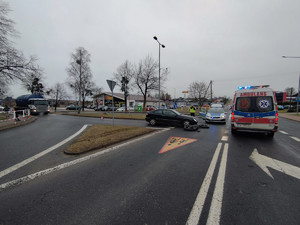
[(170, 118)]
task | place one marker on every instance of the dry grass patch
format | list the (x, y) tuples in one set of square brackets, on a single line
[(100, 136)]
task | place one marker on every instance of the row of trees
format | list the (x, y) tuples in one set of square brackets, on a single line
[(14, 66)]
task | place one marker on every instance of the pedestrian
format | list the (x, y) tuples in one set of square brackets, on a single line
[(192, 111)]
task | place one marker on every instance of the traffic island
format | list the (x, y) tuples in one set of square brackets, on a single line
[(101, 136)]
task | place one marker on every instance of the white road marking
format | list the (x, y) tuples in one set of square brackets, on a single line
[(263, 162), (199, 203), (283, 132), (216, 204), (29, 160), (224, 138), (65, 165), (295, 138)]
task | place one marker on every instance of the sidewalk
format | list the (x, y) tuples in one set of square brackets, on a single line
[(290, 116)]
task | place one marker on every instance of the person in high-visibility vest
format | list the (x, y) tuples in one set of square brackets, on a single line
[(192, 111)]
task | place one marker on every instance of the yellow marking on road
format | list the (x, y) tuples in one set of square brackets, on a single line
[(175, 142)]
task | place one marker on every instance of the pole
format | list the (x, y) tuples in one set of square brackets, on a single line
[(298, 96), (158, 75), (113, 107)]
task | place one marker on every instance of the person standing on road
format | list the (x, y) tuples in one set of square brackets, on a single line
[(192, 111)]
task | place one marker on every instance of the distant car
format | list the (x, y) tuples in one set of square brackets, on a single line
[(171, 117), (150, 108), (122, 109), (72, 107), (280, 107), (216, 115), (1, 108), (99, 108)]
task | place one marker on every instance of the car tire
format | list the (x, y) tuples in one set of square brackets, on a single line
[(186, 124), (233, 131), (152, 122), (270, 134)]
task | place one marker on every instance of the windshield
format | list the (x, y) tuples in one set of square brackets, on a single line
[(254, 104), (216, 110), (39, 102)]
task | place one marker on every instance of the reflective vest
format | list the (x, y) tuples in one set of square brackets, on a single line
[(192, 110)]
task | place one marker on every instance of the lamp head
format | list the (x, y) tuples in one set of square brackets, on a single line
[(155, 38), (163, 46)]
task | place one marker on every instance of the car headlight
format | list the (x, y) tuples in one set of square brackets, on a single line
[(208, 115), (31, 106), (222, 115)]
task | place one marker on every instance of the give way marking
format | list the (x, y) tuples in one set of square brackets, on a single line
[(263, 162), (175, 142)]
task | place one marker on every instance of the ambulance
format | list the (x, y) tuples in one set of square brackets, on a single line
[(254, 109)]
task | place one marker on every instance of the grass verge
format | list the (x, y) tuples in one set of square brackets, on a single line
[(100, 136)]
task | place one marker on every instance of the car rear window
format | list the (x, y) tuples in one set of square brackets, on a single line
[(254, 104)]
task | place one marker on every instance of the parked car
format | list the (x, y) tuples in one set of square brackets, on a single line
[(150, 108), (99, 108), (72, 107), (280, 107), (215, 115), (122, 109), (171, 117)]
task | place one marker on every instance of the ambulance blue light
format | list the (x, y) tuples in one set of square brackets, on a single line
[(244, 87)]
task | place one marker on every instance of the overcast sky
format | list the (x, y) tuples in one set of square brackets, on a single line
[(231, 42)]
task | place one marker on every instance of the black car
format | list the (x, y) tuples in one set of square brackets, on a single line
[(171, 117)]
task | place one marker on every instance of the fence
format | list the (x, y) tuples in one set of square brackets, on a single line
[(14, 116)]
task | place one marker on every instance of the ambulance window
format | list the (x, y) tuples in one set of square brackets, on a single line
[(243, 104), (254, 104)]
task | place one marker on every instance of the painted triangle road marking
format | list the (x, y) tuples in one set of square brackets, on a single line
[(175, 142)]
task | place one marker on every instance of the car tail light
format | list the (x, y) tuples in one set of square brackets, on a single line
[(232, 116)]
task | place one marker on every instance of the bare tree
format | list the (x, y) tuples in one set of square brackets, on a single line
[(146, 77), (58, 93), (13, 64), (198, 91), (80, 76), (123, 76)]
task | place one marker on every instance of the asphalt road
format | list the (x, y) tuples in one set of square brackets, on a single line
[(171, 177)]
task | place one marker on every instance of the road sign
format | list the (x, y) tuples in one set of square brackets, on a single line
[(111, 84)]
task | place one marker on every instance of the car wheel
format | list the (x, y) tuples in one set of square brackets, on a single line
[(186, 124), (233, 131), (152, 122), (271, 134)]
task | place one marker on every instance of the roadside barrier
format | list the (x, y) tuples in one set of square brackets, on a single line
[(15, 116)]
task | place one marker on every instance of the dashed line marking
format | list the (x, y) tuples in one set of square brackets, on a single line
[(224, 138), (295, 138), (283, 132)]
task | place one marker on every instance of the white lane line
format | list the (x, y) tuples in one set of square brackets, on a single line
[(224, 138), (295, 138), (76, 161), (216, 204), (29, 160), (199, 203), (283, 132)]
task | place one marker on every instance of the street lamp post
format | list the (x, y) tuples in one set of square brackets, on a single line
[(299, 81), (159, 44)]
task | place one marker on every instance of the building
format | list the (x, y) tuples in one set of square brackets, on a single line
[(105, 98)]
